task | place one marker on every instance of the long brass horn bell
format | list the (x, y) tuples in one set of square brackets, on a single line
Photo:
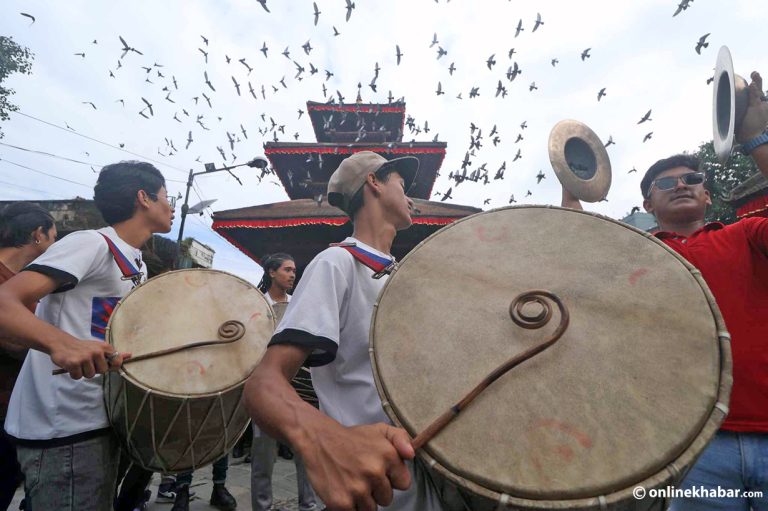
[(580, 160), (730, 98)]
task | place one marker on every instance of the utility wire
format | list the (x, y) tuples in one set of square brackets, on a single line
[(46, 174), (31, 189), (102, 142), (51, 155)]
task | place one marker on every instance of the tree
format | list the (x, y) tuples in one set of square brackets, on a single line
[(721, 179), (13, 59)]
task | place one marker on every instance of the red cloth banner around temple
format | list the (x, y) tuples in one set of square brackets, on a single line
[(221, 226)]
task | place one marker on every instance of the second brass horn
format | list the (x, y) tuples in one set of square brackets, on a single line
[(580, 160), (730, 98)]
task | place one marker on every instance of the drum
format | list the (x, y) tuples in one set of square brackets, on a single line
[(179, 411), (629, 395), (302, 382)]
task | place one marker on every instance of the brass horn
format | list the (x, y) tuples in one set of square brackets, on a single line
[(730, 98), (580, 160)]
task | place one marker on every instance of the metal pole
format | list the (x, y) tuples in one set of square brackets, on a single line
[(184, 209)]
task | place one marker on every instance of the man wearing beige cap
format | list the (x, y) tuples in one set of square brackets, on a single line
[(355, 458)]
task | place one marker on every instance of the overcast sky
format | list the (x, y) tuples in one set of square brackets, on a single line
[(640, 53)]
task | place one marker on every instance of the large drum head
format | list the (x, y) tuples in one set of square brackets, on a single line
[(183, 307), (632, 384)]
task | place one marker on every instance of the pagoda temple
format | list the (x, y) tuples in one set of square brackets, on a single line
[(304, 225)]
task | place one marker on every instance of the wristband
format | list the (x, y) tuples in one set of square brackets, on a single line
[(750, 145)]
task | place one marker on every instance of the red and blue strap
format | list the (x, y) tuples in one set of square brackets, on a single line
[(127, 268), (380, 265)]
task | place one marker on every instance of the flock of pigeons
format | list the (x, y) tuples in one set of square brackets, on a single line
[(196, 111)]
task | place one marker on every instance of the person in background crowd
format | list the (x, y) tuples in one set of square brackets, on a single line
[(26, 231)]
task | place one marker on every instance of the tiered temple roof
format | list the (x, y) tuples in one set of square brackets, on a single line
[(306, 224)]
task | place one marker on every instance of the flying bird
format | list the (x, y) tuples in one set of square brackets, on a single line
[(702, 43), (439, 90), (519, 28), (205, 54), (441, 52), (350, 6), (127, 48), (554, 62), (683, 5), (237, 85), (80, 54), (149, 105), (447, 195), (646, 117), (398, 54), (537, 23), (208, 82), (513, 71), (189, 139), (89, 103), (532, 87), (263, 4), (451, 69), (601, 93), (335, 32), (434, 40), (317, 12), (243, 62), (647, 137), (539, 177), (307, 47), (264, 49), (491, 62), (205, 39), (633, 169), (610, 141), (28, 16), (585, 54)]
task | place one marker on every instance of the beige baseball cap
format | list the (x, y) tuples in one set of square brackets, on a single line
[(350, 177)]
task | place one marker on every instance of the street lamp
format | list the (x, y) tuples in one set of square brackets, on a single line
[(258, 162)]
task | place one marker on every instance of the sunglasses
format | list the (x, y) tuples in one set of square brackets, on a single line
[(170, 198), (669, 182)]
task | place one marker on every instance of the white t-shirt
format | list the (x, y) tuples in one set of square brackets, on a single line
[(331, 313), (44, 406), (256, 430)]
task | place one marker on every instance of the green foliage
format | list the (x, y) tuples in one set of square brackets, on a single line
[(721, 179), (13, 59)]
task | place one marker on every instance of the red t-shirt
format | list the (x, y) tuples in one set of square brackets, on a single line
[(733, 260)]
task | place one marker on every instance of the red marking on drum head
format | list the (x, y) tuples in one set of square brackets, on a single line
[(193, 281), (482, 235), (636, 275), (255, 315), (194, 366), (582, 438)]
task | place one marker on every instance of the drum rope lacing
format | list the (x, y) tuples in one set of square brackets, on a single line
[(524, 320)]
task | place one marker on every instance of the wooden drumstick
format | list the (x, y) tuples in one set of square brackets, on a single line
[(229, 331), (523, 320)]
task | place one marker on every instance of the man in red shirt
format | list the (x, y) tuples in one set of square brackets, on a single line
[(733, 260)]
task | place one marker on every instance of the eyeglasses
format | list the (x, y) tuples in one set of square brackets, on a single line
[(669, 182), (170, 198)]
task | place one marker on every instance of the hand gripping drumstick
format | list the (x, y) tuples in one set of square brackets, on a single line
[(229, 332), (523, 320)]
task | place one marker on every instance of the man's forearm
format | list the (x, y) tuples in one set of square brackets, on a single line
[(280, 412)]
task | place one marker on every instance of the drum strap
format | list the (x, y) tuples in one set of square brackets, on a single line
[(128, 270), (380, 265)]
